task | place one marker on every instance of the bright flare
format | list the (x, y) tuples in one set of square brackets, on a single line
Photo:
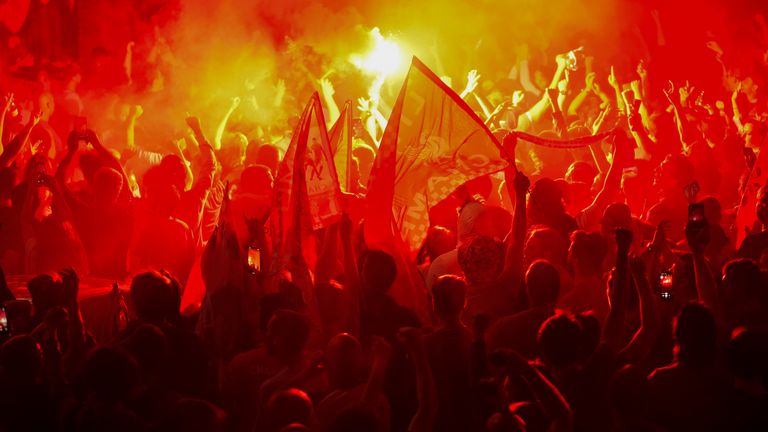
[(383, 59)]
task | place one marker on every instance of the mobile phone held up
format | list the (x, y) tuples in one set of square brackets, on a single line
[(4, 327), (254, 259), (665, 285)]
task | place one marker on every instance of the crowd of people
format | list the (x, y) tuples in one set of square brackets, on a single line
[(618, 286)]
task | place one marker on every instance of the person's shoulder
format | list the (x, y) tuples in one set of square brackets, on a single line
[(664, 373)]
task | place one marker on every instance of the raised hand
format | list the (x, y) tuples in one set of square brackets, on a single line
[(136, 111), (71, 283), (472, 80), (685, 93), (522, 183), (235, 102), (194, 123), (612, 79), (517, 97), (8, 101), (669, 92), (326, 87), (642, 72), (363, 105), (589, 81)]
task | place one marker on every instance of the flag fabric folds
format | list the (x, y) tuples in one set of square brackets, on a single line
[(433, 143), (307, 195), (340, 137)]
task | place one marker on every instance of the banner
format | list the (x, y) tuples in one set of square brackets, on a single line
[(433, 143), (340, 138), (307, 195)]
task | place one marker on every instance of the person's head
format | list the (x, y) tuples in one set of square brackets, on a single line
[(21, 360), (696, 335), (378, 272), (287, 335), (582, 172), (175, 171), (587, 252), (481, 259), (546, 200), (439, 241), (232, 153), (344, 362), (257, 180), (111, 375), (193, 415), (365, 157), (107, 185), (713, 211), (616, 215), (559, 341), (45, 293), (162, 196), (546, 243), (268, 156), (675, 173), (741, 283), (269, 304), (449, 294), (155, 297), (762, 205), (748, 355), (542, 284), (288, 407)]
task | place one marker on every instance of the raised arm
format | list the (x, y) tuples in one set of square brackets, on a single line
[(90, 137), (15, 146), (650, 320), (222, 127), (552, 402), (686, 130), (3, 112), (576, 103), (614, 82), (327, 90), (697, 236), (618, 293), (514, 263), (472, 79)]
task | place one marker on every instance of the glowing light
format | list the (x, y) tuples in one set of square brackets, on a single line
[(383, 59)]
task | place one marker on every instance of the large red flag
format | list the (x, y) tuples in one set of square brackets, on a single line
[(433, 143), (340, 137), (307, 195)]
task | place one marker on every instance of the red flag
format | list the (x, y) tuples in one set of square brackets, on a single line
[(433, 143), (340, 137), (307, 195)]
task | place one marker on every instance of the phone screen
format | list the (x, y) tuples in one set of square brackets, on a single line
[(254, 259), (696, 213), (4, 329), (665, 283)]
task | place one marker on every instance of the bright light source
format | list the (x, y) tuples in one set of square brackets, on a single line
[(383, 59)]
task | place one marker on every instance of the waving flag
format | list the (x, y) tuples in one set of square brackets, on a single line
[(307, 195), (433, 143), (340, 138)]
